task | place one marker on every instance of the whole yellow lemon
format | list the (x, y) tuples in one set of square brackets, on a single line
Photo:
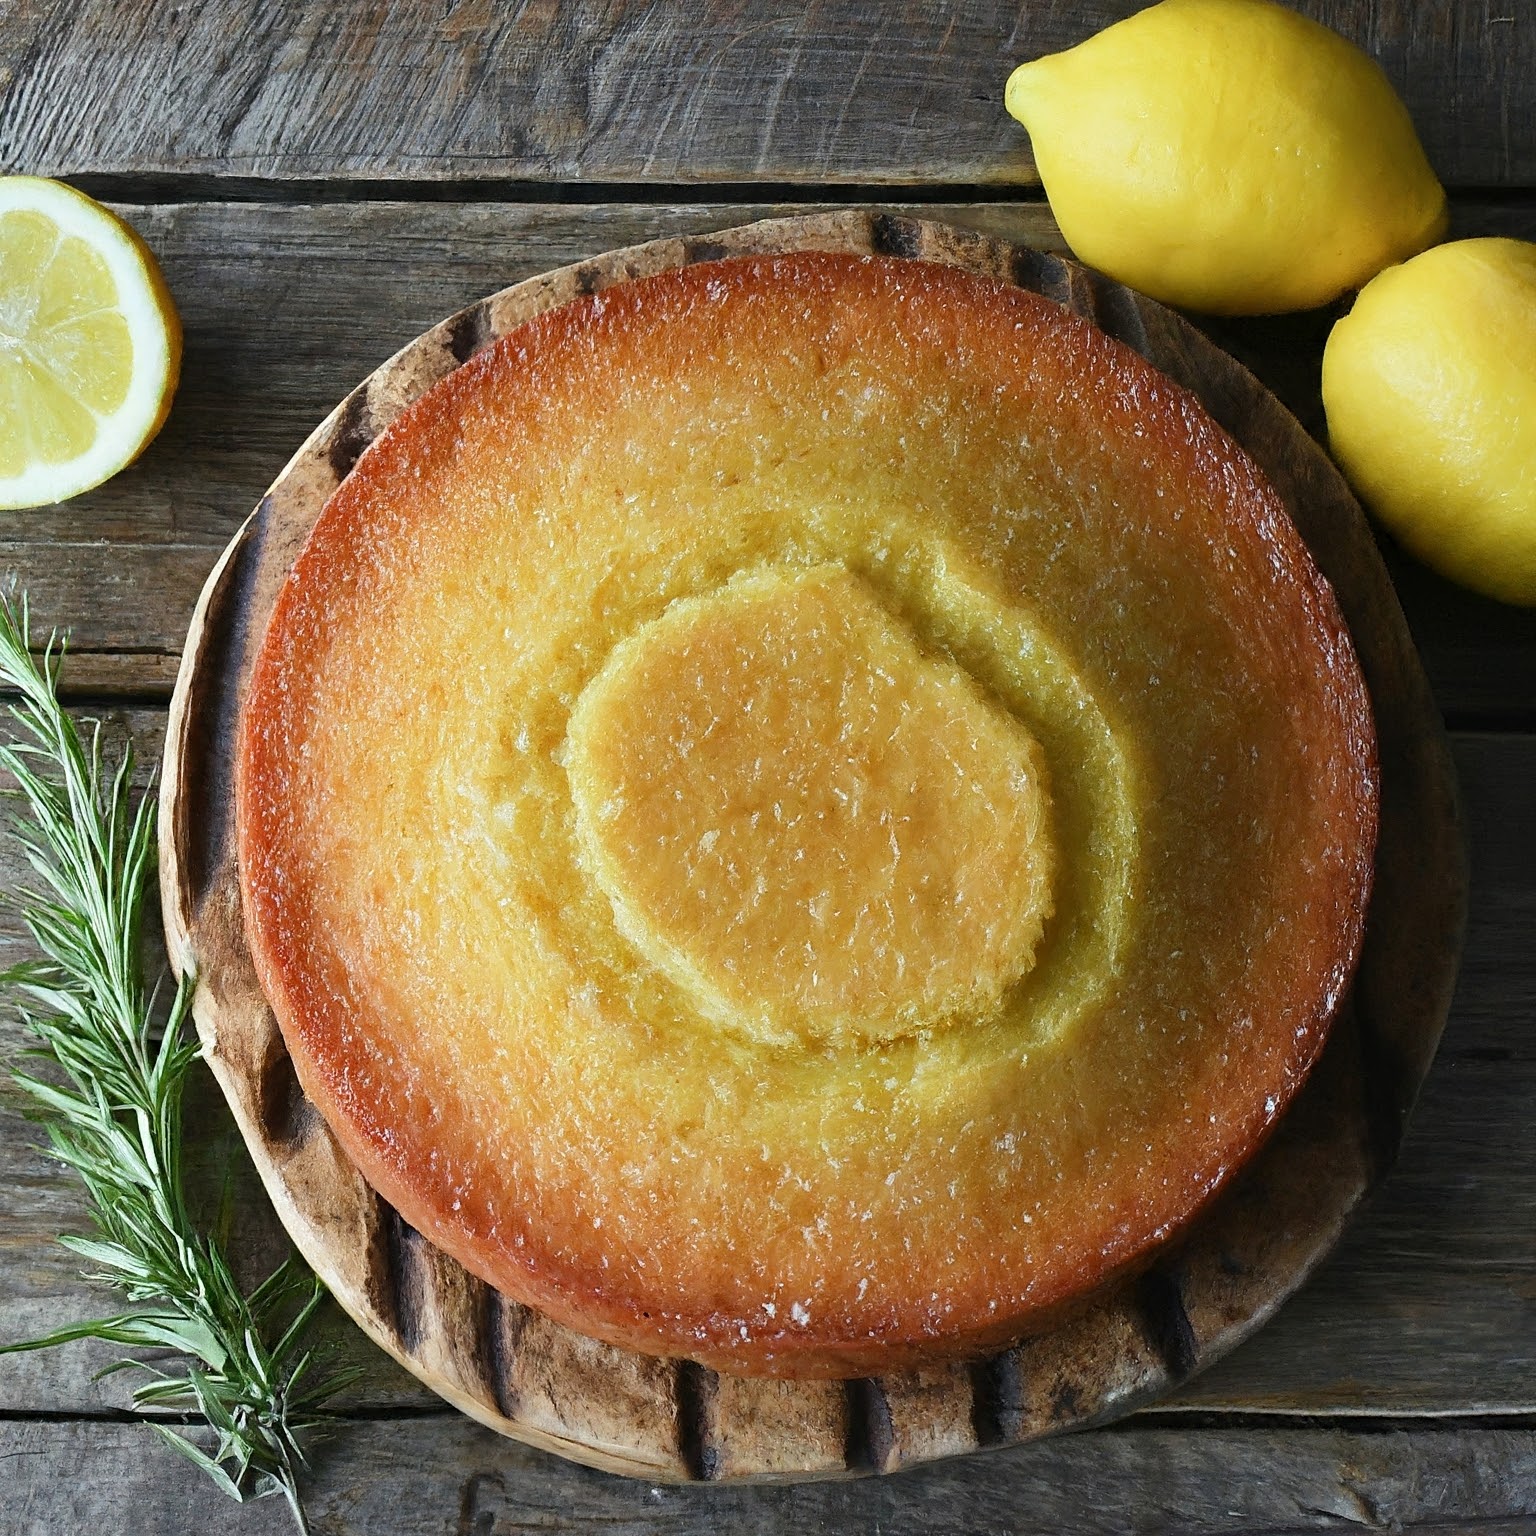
[(1228, 156), (1430, 387)]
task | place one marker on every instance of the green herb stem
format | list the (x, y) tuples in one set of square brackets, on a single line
[(110, 1105)]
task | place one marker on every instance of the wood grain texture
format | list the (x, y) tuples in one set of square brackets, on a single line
[(285, 307), (1239, 1261), (1425, 1307), (610, 90), (430, 1477)]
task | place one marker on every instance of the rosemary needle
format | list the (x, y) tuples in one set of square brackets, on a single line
[(111, 1109)]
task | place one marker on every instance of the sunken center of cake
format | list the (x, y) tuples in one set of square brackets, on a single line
[(818, 830)]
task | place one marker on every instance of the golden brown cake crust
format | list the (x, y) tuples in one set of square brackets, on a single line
[(1083, 559)]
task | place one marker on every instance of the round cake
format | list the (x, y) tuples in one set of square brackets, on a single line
[(804, 813)]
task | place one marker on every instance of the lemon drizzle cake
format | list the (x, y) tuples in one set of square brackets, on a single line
[(804, 812)]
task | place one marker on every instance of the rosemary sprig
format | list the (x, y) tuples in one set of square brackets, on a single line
[(111, 1109)]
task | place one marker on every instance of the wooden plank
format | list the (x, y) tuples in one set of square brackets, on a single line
[(287, 307), (669, 92), (1424, 1309), (125, 675), (424, 1476)]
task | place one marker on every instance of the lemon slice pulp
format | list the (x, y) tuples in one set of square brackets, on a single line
[(90, 345)]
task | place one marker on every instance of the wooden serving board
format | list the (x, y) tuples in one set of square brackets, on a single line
[(674, 1420)]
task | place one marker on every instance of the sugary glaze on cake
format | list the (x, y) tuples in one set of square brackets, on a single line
[(804, 812), (896, 878)]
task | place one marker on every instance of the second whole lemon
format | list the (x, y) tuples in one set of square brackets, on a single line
[(1228, 156), (1430, 387)]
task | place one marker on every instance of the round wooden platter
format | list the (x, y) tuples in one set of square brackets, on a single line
[(674, 1420)]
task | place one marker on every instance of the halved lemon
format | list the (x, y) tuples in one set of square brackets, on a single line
[(90, 344)]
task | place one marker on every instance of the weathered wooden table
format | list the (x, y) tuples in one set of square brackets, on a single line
[(321, 182)]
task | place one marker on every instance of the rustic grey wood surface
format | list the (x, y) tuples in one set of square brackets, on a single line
[(671, 90), (444, 1477), (289, 163)]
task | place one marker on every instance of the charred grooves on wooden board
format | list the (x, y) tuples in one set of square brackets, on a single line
[(679, 1421)]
